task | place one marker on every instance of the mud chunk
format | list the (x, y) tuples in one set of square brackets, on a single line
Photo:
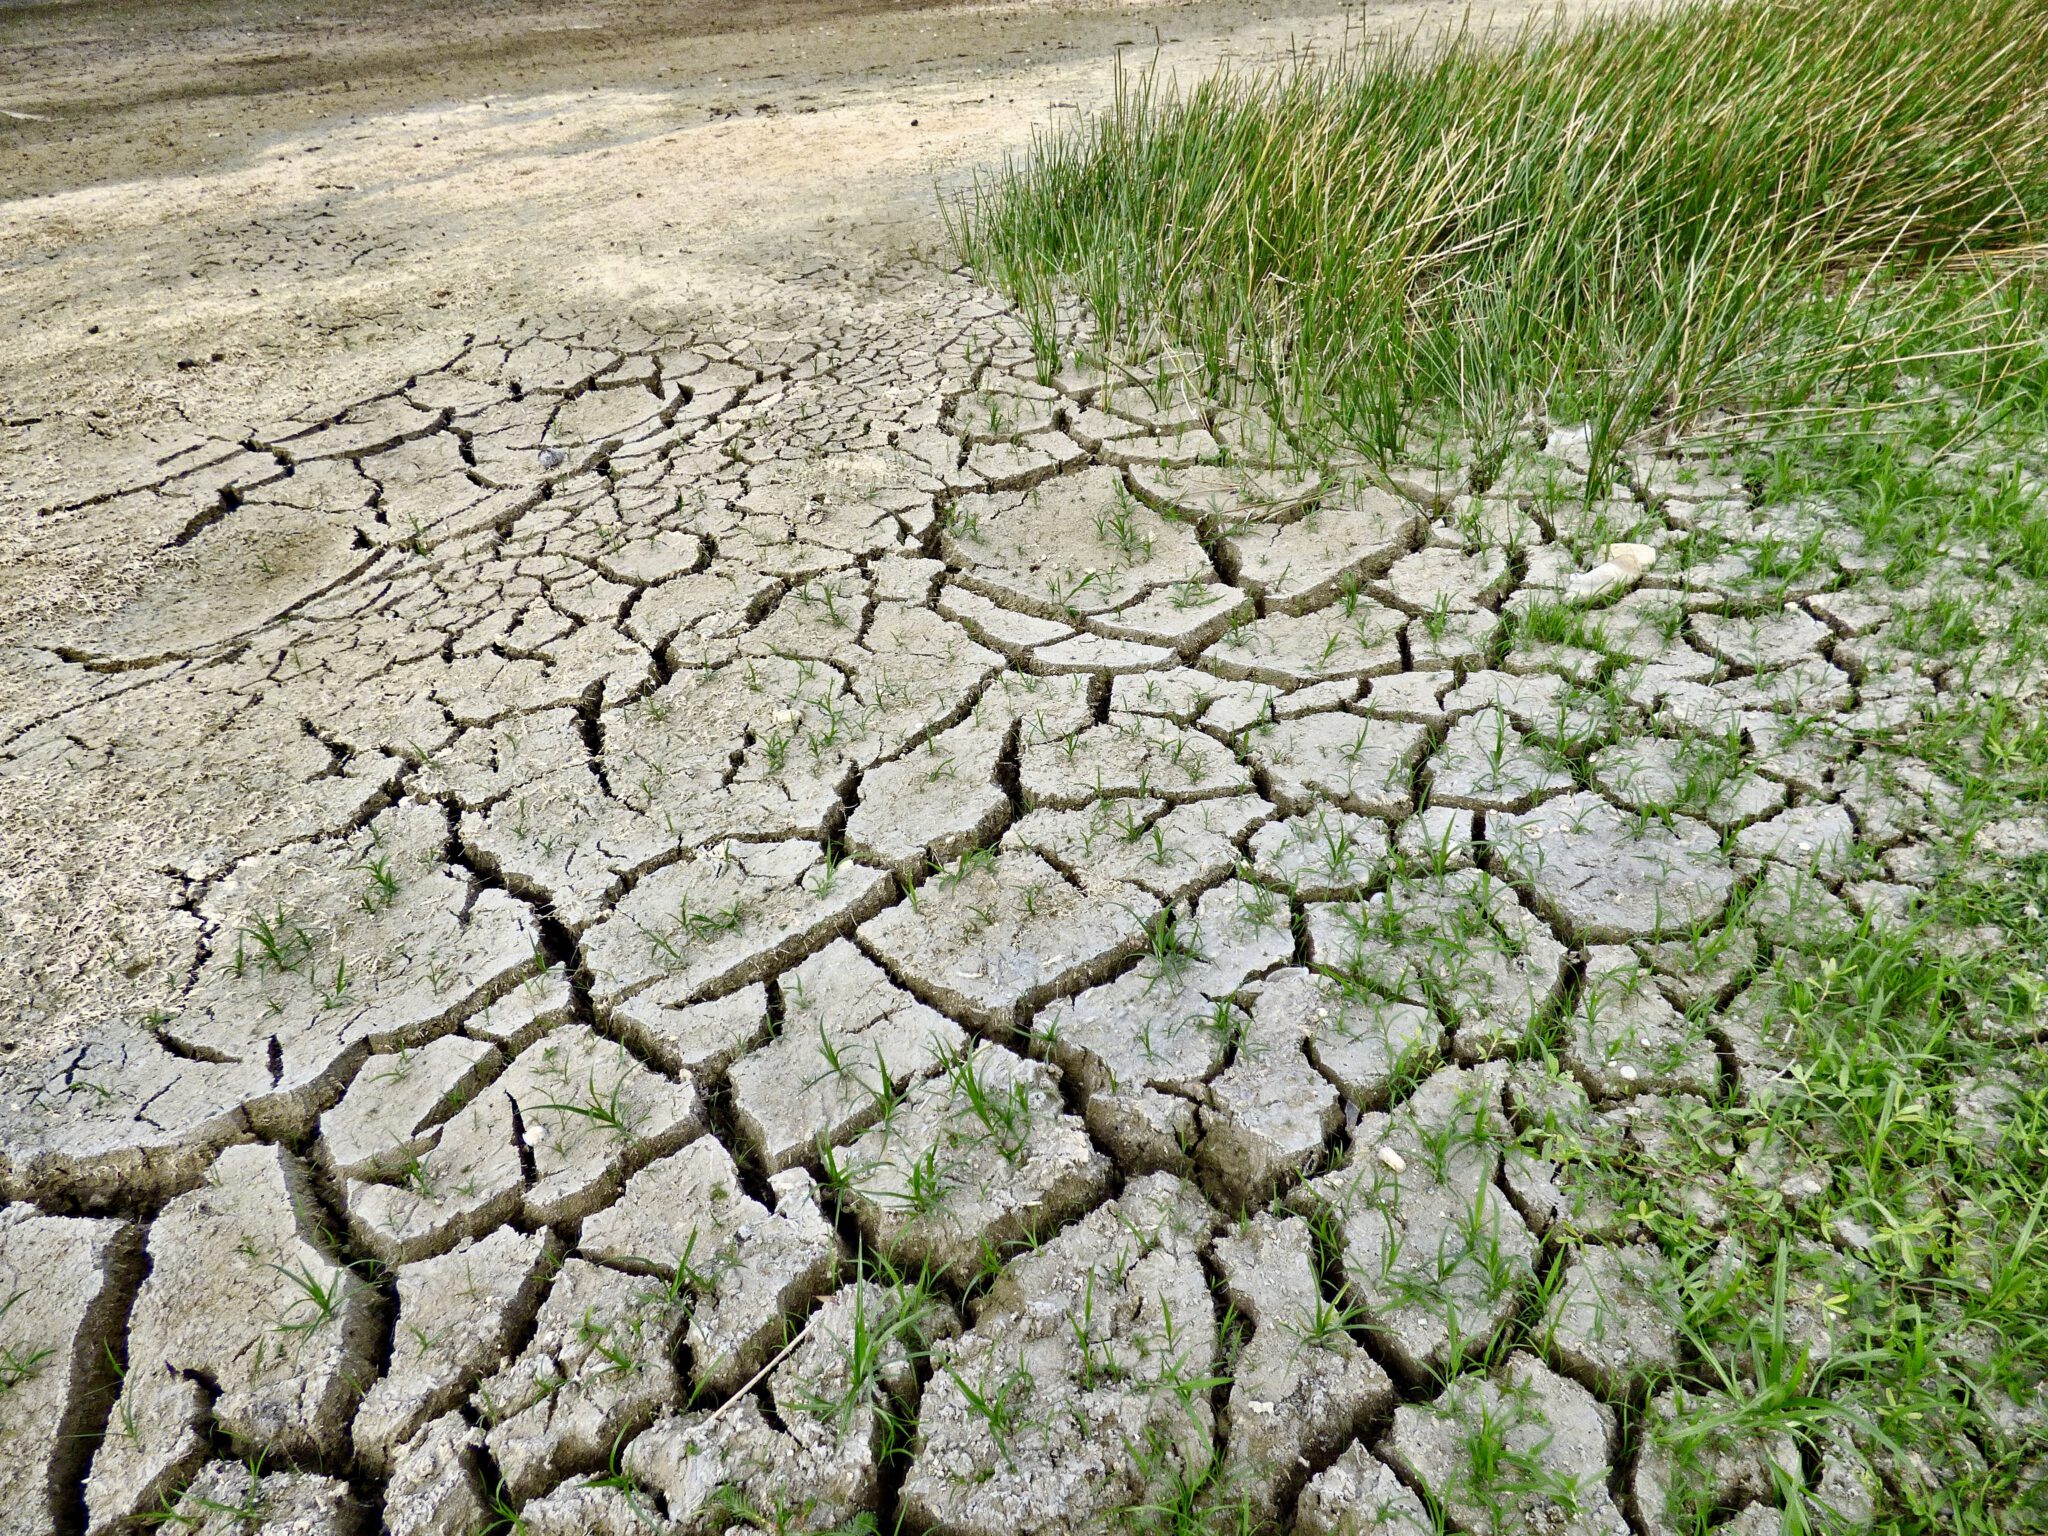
[(1605, 879), (728, 916), (1137, 1049), (1894, 800), (1699, 776), (63, 1285), (599, 1366), (1687, 1467), (1002, 628), (1487, 764), (1226, 497), (1452, 639), (515, 1020), (1095, 655), (1302, 1385), (1560, 1134), (1809, 686), (587, 1508), (853, 1368), (565, 841), (434, 1488), (1362, 1042), (1760, 1025), (993, 933), (1794, 909), (1537, 702), (1614, 1321), (1181, 696), (1320, 854), (469, 1180), (999, 414), (1757, 644), (1167, 850), (230, 583), (1441, 580), (1459, 939), (458, 1315), (1819, 839), (1079, 544), (1434, 1254), (701, 1038), (1265, 1120), (1361, 765), (1624, 1038), (1359, 1496), (244, 1316), (1522, 1450), (1849, 1489), (1026, 463), (1307, 1045), (1242, 705), (1135, 756), (974, 1160), (1437, 839), (1416, 696), (743, 1267), (555, 1136), (1166, 450), (1185, 617), (71, 1122), (1086, 1389), (334, 949), (1353, 639), (772, 745), (936, 801), (1809, 754), (1705, 968), (1646, 626), (850, 1040), (396, 1097), (1300, 564), (653, 558), (231, 1498)]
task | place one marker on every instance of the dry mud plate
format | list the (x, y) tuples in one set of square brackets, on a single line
[(763, 928)]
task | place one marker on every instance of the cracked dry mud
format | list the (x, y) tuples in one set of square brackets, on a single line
[(869, 811)]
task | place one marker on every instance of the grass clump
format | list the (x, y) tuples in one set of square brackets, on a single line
[(1770, 208)]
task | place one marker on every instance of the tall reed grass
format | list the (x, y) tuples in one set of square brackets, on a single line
[(1771, 207)]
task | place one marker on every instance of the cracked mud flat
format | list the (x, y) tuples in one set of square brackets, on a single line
[(821, 824), (656, 836)]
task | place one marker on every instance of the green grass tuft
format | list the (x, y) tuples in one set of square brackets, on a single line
[(1773, 209)]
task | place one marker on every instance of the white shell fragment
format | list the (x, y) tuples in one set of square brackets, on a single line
[(1623, 565)]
